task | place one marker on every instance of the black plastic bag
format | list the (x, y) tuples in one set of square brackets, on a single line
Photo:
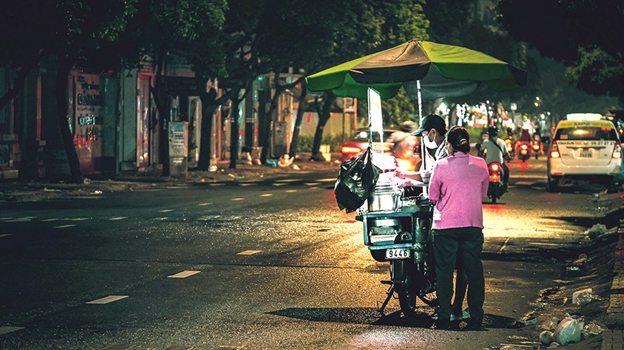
[(356, 179)]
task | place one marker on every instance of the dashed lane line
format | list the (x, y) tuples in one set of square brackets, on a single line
[(266, 195), (9, 329), (204, 204), (118, 218), (238, 199), (65, 226), (5, 235), (249, 252), (291, 191), (165, 210), (108, 299), (184, 274)]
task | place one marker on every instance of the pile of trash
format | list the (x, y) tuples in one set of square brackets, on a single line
[(593, 232), (571, 329)]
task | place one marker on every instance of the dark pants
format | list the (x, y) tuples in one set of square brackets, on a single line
[(465, 244), (505, 173)]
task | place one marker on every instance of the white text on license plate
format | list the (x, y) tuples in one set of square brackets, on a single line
[(586, 153), (397, 253)]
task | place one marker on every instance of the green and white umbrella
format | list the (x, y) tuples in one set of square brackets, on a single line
[(439, 70)]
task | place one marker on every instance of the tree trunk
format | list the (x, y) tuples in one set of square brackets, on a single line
[(208, 108), (65, 65), (298, 120), (266, 143), (324, 115), (236, 99), (19, 81)]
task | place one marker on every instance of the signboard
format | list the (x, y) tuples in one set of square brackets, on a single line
[(374, 111), (178, 139)]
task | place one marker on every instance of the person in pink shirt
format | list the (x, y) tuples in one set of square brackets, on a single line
[(458, 184)]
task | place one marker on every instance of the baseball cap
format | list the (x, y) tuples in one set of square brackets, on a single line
[(432, 121)]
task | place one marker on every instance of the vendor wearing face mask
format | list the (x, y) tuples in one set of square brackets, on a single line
[(433, 132)]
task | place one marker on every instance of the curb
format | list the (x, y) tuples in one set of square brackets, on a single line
[(614, 338)]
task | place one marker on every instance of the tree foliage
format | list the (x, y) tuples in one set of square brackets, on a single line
[(584, 35)]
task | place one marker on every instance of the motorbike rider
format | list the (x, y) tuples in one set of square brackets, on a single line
[(403, 142), (497, 152), (458, 184)]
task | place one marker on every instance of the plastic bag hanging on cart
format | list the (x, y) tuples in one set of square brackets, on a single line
[(356, 180)]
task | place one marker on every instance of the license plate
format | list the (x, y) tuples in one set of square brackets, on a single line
[(397, 253), (494, 178), (586, 153)]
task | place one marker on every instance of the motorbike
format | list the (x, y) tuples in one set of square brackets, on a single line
[(523, 151), (496, 188), (397, 230), (536, 147), (510, 147)]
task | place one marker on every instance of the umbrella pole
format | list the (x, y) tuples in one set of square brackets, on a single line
[(422, 146)]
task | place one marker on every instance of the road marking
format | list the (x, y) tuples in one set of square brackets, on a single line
[(266, 195), (537, 188), (9, 329), (24, 219), (5, 235), (287, 180), (165, 210), (247, 184), (184, 274), (311, 183), (6, 218), (291, 191), (545, 244), (238, 199), (50, 220), (504, 245), (249, 252), (204, 204), (279, 184), (108, 299), (78, 219), (213, 185), (118, 218), (65, 226), (161, 219), (330, 179)]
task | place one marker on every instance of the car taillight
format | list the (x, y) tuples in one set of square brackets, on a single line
[(494, 167), (350, 149), (617, 151), (554, 153)]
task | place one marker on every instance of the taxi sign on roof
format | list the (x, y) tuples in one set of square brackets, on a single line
[(584, 116), (588, 123)]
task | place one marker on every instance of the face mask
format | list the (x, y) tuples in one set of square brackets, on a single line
[(429, 144)]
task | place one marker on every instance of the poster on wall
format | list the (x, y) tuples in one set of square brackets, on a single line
[(88, 110)]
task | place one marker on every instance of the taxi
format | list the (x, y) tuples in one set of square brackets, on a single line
[(584, 150)]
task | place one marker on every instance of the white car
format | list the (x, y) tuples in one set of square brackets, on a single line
[(585, 150)]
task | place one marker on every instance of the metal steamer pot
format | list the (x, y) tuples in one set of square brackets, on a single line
[(384, 198)]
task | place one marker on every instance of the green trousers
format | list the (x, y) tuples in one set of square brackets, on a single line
[(465, 244)]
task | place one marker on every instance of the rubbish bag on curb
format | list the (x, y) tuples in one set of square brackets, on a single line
[(569, 330), (356, 179)]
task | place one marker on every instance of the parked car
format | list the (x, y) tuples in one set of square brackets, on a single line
[(584, 150), (359, 142)]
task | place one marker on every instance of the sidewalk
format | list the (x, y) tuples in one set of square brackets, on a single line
[(614, 337), (31, 191)]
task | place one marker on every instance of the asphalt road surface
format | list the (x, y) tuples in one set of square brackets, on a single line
[(266, 264)]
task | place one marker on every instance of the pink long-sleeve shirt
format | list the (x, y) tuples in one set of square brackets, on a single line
[(458, 184)]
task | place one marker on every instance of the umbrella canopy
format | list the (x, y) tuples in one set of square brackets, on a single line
[(442, 70)]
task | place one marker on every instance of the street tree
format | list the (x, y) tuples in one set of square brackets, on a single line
[(66, 32), (370, 26), (182, 31), (584, 35)]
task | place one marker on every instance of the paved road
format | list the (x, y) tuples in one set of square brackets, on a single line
[(257, 264)]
